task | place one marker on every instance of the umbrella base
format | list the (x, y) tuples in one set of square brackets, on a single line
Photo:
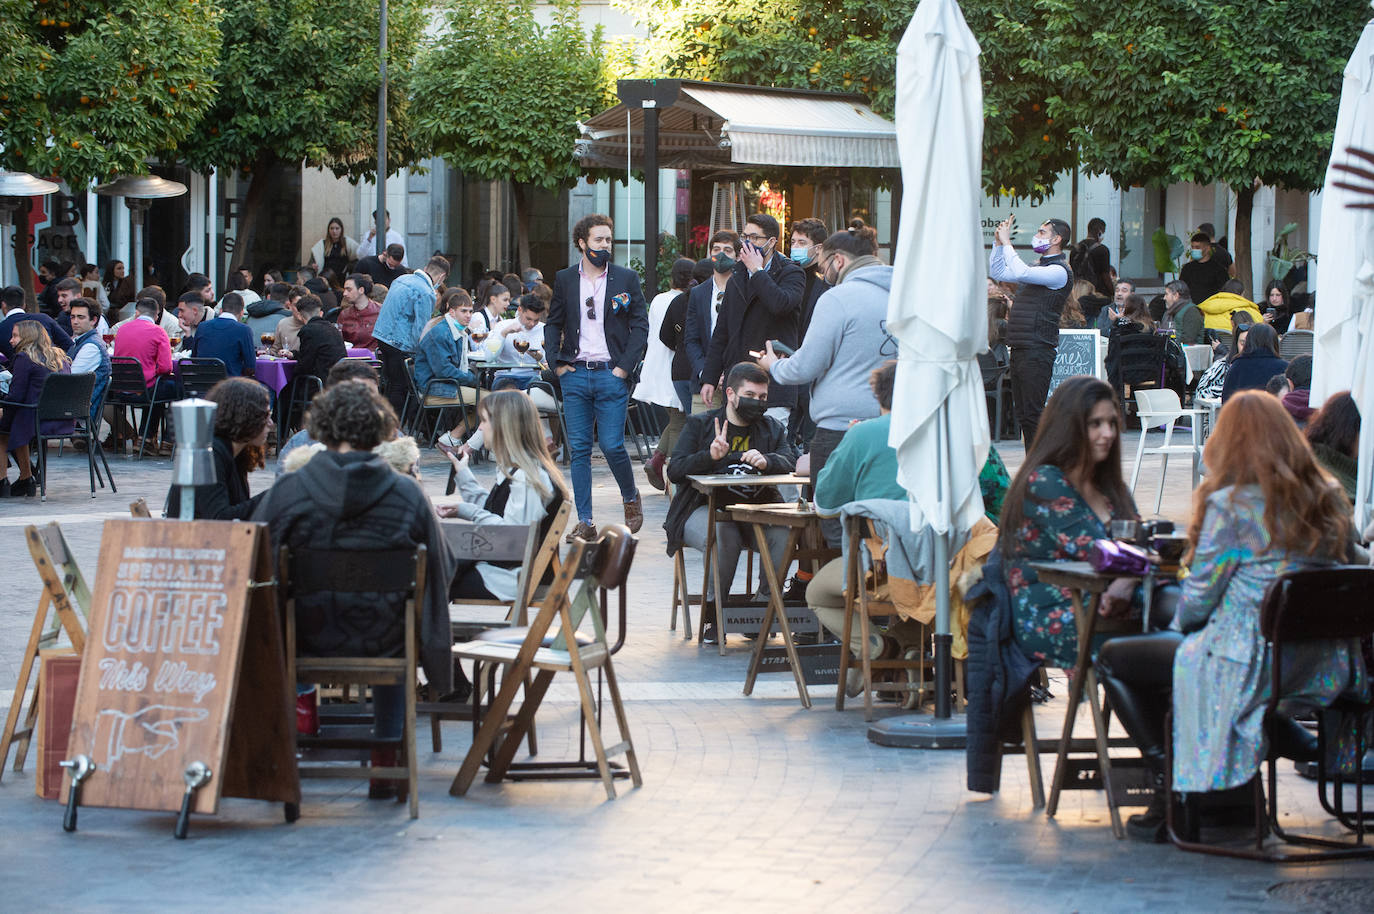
[(920, 732)]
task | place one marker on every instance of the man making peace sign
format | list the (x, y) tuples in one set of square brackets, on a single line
[(739, 439)]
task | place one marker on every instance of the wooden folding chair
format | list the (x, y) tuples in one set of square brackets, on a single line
[(498, 543), (64, 595), (589, 568), (862, 600), (314, 571)]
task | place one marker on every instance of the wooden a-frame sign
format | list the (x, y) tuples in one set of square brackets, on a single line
[(184, 663)]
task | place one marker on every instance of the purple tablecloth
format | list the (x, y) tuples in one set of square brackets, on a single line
[(275, 373)]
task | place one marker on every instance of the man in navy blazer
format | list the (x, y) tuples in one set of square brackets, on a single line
[(594, 337), (227, 339), (12, 300), (705, 299)]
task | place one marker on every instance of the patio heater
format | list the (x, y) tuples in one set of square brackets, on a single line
[(193, 461), (139, 192), (14, 186)]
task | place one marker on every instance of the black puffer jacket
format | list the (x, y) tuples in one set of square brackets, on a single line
[(357, 501), (998, 676)]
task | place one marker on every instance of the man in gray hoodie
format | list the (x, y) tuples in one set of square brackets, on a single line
[(846, 342)]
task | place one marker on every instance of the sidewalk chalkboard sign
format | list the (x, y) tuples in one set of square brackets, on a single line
[(184, 638), (1079, 352)]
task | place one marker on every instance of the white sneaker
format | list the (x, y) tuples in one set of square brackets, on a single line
[(854, 682), (447, 440)]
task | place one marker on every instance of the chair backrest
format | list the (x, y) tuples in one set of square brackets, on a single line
[(603, 563), (1295, 343), (66, 396), (1319, 604), (992, 370), (410, 378), (1157, 403), (126, 380), (199, 375)]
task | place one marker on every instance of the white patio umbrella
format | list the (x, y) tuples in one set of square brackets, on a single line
[(937, 308), (1344, 342)]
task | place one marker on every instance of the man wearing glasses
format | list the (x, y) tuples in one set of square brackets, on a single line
[(762, 302), (595, 335)]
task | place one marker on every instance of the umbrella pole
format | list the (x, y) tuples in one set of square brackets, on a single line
[(943, 730)]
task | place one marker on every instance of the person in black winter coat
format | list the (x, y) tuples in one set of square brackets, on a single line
[(242, 420), (348, 498), (736, 439), (1257, 363), (763, 302)]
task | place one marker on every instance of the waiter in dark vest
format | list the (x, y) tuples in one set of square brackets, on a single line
[(1033, 328)]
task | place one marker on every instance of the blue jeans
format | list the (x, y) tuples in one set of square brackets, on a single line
[(389, 707), (684, 396), (596, 399)]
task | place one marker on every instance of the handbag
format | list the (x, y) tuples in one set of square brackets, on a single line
[(1113, 557)]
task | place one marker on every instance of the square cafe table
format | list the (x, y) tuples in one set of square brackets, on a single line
[(1080, 579), (798, 519), (711, 486)]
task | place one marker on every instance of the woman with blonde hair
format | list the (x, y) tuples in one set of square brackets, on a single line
[(1071, 318), (34, 358), (530, 488), (335, 251), (1259, 513)]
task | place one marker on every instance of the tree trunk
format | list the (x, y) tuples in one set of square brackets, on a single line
[(252, 203), (521, 193), (23, 247), (1240, 244)]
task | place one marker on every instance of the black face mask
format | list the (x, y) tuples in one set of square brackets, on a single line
[(598, 259), (723, 262), (751, 409)]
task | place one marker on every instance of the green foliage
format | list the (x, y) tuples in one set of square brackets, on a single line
[(851, 46), (669, 251), (1168, 250), (498, 96), (1283, 256), (299, 81), (92, 88), (1163, 91)]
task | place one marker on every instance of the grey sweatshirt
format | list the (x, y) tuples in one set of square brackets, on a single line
[(846, 341)]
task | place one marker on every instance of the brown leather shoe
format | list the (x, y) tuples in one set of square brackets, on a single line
[(653, 468), (634, 514), (585, 530)]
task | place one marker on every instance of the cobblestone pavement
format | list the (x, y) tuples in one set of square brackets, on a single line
[(748, 803)]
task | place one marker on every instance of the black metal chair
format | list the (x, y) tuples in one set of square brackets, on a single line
[(994, 373), (1319, 604), (199, 375), (428, 401), (65, 398), (127, 390), (292, 402)]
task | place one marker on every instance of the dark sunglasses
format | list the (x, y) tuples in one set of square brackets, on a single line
[(591, 308)]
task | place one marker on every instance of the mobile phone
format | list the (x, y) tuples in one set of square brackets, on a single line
[(449, 449), (782, 348)]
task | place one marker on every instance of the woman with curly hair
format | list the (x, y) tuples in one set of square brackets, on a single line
[(1065, 496), (347, 497), (242, 421), (1259, 513), (34, 358)]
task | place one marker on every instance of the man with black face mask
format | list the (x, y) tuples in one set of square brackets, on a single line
[(737, 438), (705, 299), (763, 301)]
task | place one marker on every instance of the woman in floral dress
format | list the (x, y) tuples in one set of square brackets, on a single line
[(1260, 513), (1065, 495)]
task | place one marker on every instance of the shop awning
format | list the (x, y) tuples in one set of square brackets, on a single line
[(712, 125)]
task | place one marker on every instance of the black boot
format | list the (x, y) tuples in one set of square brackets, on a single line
[(1151, 825)]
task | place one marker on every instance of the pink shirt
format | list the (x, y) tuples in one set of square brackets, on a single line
[(592, 335), (144, 340)]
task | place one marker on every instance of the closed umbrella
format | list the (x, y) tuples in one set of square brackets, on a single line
[(1344, 341), (937, 309)]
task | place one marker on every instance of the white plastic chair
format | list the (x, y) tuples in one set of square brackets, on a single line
[(1162, 409)]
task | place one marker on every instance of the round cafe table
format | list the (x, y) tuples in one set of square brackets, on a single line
[(277, 372)]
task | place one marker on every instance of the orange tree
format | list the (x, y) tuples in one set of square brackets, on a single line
[(851, 46), (1164, 91), (498, 95), (93, 88), (299, 83)]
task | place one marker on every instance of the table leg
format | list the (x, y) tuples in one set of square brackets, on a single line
[(706, 573), (775, 605), (1104, 759), (1083, 620)]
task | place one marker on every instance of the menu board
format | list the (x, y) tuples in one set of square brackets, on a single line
[(1079, 353), (162, 663)]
